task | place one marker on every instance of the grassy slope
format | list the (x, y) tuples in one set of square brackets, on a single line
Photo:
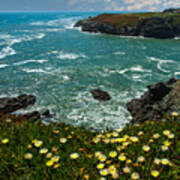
[(13, 165), (121, 20)]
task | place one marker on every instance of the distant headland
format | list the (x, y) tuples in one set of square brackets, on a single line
[(162, 25)]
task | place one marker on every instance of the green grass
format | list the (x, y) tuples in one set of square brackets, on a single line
[(13, 164), (132, 19)]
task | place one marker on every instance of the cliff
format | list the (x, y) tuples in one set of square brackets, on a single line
[(161, 25)]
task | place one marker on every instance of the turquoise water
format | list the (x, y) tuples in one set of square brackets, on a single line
[(41, 53)]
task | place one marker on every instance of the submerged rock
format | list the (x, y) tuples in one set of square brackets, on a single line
[(161, 98), (47, 114), (100, 95), (9, 105), (35, 115)]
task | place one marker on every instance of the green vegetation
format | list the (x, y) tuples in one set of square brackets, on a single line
[(32, 150), (132, 19)]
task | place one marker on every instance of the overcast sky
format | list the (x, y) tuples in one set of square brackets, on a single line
[(87, 5)]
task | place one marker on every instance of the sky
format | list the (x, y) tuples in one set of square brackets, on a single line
[(87, 5)]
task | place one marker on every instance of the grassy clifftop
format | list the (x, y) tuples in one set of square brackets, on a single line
[(132, 19)]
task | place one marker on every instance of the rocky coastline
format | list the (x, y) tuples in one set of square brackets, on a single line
[(161, 25)]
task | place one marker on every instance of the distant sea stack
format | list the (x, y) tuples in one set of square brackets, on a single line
[(162, 25)]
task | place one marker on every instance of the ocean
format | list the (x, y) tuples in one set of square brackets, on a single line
[(42, 54)]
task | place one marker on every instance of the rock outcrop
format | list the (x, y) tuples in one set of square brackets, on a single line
[(100, 95), (161, 98), (157, 25)]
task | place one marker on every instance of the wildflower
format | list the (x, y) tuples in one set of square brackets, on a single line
[(140, 133), (106, 140), (166, 143), (135, 175), (86, 176), (165, 161), (141, 159), (97, 154), (155, 173), (128, 161), (49, 163), (164, 148), (146, 148), (55, 158), (122, 158), (115, 134), (112, 170), (56, 131), (74, 155), (104, 172), (115, 175), (119, 130), (69, 136), (118, 148), (134, 139), (49, 155), (54, 149), (156, 136), (34, 140), (101, 178), (126, 170), (38, 143), (56, 166), (28, 156), (151, 141), (113, 140), (29, 146), (171, 136), (175, 114), (100, 166), (166, 132), (63, 140), (102, 158), (96, 140), (108, 162), (5, 141), (43, 151), (157, 161), (113, 154), (108, 135)]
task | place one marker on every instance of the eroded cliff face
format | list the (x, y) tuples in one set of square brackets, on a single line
[(157, 25), (161, 98)]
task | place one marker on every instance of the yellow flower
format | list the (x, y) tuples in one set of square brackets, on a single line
[(166, 143), (146, 148), (29, 146), (119, 148), (166, 132), (135, 175), (56, 166), (43, 151), (56, 131), (63, 140), (115, 175), (157, 161), (104, 172), (128, 161), (119, 130), (108, 162), (113, 140), (115, 134), (100, 166), (140, 133), (108, 135), (86, 176), (164, 148), (54, 149), (122, 158), (98, 153), (38, 143), (55, 158), (141, 159), (112, 170), (49, 155), (113, 154), (69, 136), (156, 136), (134, 139), (102, 158), (96, 140), (165, 161), (101, 178), (126, 170), (120, 140), (5, 141), (28, 156), (106, 140), (171, 136), (155, 173), (49, 163), (151, 141), (34, 140), (74, 155), (175, 114)]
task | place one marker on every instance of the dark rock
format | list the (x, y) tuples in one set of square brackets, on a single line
[(100, 95), (161, 98), (9, 105), (35, 115), (47, 114), (172, 10)]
